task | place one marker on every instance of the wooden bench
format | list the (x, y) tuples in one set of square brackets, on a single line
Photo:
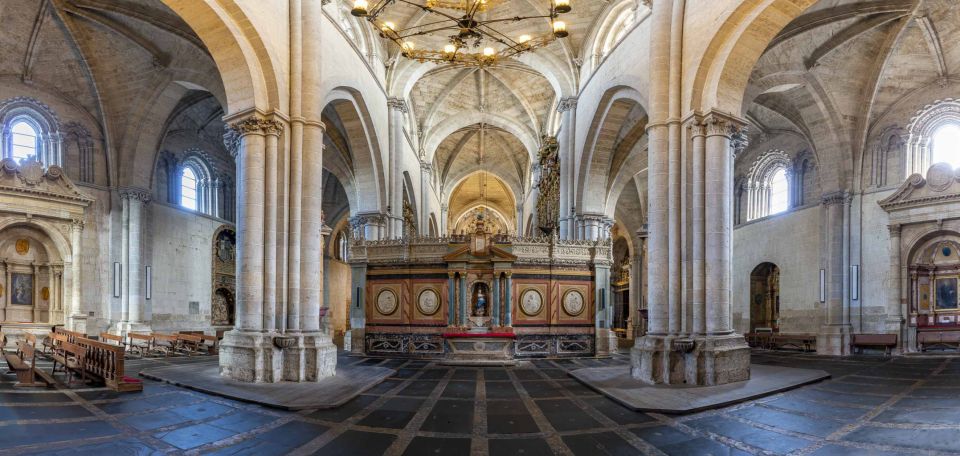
[(72, 358), (140, 343), (211, 343), (23, 363), (190, 344), (113, 339), (942, 339), (886, 341), (165, 343), (758, 340), (805, 342), (105, 362)]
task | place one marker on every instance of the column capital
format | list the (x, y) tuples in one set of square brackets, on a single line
[(138, 194), (398, 104), (452, 274), (894, 229), (77, 224), (836, 198), (426, 167), (567, 104), (721, 124)]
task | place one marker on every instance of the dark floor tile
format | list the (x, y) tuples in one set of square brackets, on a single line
[(243, 421), (934, 439), (527, 374), (127, 447), (501, 390), (202, 411), (345, 411), (701, 446), (837, 450), (394, 414), (30, 434), (404, 373), (509, 417), (605, 443), (616, 412), (291, 435), (564, 415), (156, 420), (819, 427), (450, 416), (932, 416), (32, 398), (419, 388), (835, 411), (495, 374), (193, 436), (839, 398), (357, 443), (383, 387), (556, 374), (525, 447), (421, 446), (543, 389), (751, 435), (660, 436), (27, 412), (465, 374), (460, 390), (433, 374)]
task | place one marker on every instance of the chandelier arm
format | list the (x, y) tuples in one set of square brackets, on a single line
[(429, 10), (378, 8), (403, 33)]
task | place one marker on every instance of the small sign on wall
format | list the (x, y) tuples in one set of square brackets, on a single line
[(117, 276), (149, 286)]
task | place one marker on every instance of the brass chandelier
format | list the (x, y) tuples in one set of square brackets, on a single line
[(472, 41)]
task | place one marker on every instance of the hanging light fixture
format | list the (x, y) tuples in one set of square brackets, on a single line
[(472, 40)]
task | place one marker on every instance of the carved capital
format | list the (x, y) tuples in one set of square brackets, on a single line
[(135, 194), (836, 198), (77, 224), (426, 167), (697, 127), (271, 127), (895, 229), (398, 104), (248, 126), (567, 104)]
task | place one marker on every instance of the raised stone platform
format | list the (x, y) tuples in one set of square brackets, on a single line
[(479, 349), (330, 392), (617, 384)]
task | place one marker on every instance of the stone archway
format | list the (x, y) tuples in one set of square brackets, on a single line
[(765, 298)]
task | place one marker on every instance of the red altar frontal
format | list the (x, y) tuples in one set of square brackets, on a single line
[(481, 297)]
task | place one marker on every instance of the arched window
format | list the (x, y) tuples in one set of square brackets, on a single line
[(24, 141), (188, 188), (779, 192), (945, 145), (768, 187)]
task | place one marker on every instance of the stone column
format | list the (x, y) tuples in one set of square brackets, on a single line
[(74, 309), (134, 201), (463, 299), (508, 301), (452, 299), (834, 338), (495, 314), (894, 286), (51, 301), (520, 220), (698, 219), (567, 138), (36, 293), (272, 129), (8, 287), (718, 237), (398, 108), (426, 170)]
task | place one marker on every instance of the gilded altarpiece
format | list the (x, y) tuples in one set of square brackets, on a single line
[(223, 300)]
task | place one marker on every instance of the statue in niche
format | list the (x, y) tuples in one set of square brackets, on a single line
[(221, 310), (409, 219), (226, 246), (480, 300), (548, 202)]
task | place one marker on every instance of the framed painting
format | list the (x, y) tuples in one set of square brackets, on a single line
[(21, 290), (946, 293)]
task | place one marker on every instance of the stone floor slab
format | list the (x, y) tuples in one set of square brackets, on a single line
[(350, 382), (617, 384)]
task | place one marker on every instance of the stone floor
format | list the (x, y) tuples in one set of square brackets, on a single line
[(872, 406)]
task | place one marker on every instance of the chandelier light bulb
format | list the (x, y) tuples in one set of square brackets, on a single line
[(562, 6), (523, 39), (360, 8), (560, 29), (408, 45), (489, 52), (449, 49), (388, 26)]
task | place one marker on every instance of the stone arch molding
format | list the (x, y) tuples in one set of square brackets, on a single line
[(366, 177), (60, 245), (921, 128)]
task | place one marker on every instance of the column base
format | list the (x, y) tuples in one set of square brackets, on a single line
[(272, 357), (701, 360), (123, 328), (358, 341), (77, 323), (606, 342), (834, 340)]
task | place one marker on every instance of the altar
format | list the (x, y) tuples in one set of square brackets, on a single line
[(481, 297)]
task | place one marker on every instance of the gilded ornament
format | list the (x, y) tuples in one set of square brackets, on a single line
[(45, 293), (22, 246)]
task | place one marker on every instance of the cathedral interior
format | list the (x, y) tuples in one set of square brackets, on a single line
[(504, 227)]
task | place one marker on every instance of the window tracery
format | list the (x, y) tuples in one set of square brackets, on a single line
[(770, 187), (934, 136), (31, 131)]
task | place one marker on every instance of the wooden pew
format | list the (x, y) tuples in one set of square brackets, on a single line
[(165, 343), (805, 342), (114, 339), (141, 343), (943, 339), (190, 344), (72, 358), (23, 363), (105, 362), (210, 343), (886, 341)]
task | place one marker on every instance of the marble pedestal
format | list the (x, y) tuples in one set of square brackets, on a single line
[(703, 360), (834, 340), (607, 342), (272, 357)]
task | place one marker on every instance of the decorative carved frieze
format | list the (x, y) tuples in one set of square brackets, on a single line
[(834, 198), (567, 104), (398, 104), (135, 194)]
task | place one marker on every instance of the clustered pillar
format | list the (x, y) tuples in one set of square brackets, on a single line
[(132, 319)]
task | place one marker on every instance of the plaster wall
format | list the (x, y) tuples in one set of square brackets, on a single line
[(792, 242)]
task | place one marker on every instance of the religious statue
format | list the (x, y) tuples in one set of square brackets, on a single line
[(548, 202), (481, 309), (226, 251), (409, 220)]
